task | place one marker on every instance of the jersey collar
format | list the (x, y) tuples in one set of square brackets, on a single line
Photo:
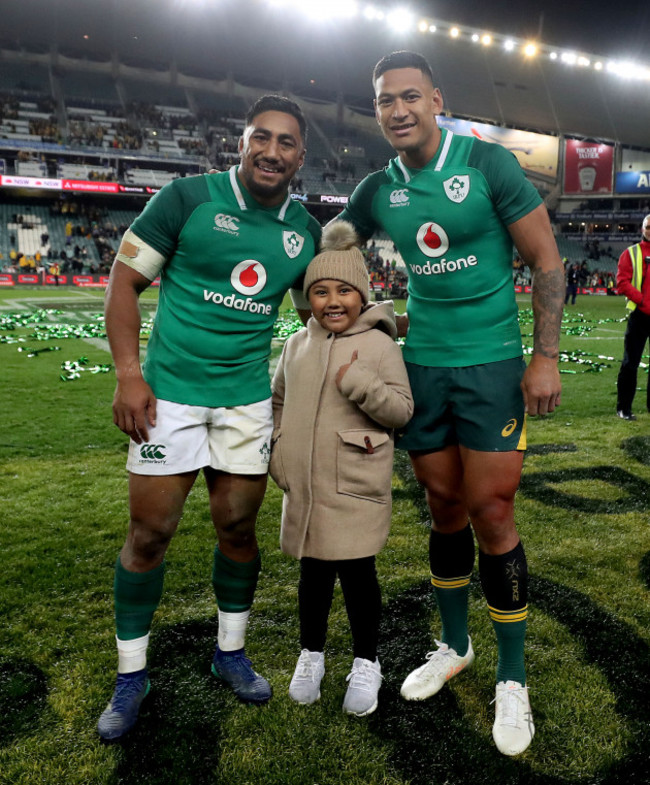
[(440, 157), (241, 201)]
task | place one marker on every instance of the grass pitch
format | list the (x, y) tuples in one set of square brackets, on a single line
[(582, 512)]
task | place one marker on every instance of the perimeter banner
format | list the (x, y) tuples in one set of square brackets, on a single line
[(588, 167), (536, 153)]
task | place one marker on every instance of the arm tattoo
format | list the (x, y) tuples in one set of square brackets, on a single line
[(548, 300)]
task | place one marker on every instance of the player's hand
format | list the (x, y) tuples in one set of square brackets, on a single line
[(134, 408), (402, 322), (541, 385), (342, 370)]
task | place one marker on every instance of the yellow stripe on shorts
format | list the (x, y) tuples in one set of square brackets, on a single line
[(522, 444)]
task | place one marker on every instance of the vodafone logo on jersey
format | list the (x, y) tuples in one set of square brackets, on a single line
[(432, 240), (248, 277)]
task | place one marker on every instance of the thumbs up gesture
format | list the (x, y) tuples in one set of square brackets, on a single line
[(342, 370)]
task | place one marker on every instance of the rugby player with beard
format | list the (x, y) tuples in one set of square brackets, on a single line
[(227, 246)]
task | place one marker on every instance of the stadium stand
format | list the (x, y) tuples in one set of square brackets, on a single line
[(142, 123)]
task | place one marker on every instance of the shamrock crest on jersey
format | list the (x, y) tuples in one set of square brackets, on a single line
[(293, 243), (457, 187)]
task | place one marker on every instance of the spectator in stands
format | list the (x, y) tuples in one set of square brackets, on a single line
[(571, 283), (633, 280)]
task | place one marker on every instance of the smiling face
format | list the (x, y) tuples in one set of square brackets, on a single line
[(406, 104), (271, 151), (334, 304)]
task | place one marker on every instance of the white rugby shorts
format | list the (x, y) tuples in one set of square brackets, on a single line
[(234, 439)]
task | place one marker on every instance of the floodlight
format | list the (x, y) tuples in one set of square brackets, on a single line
[(569, 58), (432, 28), (423, 26), (401, 20), (475, 37), (328, 9), (486, 39), (509, 45), (530, 50), (553, 55), (454, 32)]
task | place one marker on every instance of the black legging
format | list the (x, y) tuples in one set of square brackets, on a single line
[(362, 601)]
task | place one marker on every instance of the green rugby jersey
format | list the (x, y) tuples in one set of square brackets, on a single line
[(229, 263), (449, 221)]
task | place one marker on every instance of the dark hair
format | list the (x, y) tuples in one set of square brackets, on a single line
[(278, 103), (402, 59)]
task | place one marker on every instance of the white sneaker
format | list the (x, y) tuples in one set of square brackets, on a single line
[(513, 728), (441, 666), (365, 679), (305, 684)]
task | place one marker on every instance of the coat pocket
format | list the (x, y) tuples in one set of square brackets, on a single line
[(364, 464), (276, 465)]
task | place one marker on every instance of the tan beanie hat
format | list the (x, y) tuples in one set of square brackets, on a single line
[(340, 260)]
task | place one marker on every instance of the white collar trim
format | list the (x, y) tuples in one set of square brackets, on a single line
[(235, 187), (444, 151), (234, 182), (441, 160)]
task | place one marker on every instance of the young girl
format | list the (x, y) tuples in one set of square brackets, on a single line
[(339, 389)]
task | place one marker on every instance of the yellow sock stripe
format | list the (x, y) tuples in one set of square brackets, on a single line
[(508, 616), (450, 583)]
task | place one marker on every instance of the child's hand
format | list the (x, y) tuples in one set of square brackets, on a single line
[(342, 370)]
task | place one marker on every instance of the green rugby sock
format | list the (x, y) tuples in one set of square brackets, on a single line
[(137, 595), (451, 558), (510, 639), (505, 584), (234, 582)]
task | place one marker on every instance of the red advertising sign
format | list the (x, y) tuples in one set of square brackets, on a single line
[(51, 279), (29, 279), (7, 280), (588, 168), (90, 185)]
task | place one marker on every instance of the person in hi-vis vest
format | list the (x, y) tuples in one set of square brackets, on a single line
[(633, 281)]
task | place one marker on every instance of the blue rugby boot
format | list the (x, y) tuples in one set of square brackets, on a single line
[(236, 670), (121, 714)]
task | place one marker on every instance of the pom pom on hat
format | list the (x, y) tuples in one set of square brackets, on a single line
[(340, 259)]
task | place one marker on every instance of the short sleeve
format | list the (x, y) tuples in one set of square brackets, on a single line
[(162, 219), (513, 195)]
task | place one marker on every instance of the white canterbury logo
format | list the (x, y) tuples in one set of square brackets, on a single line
[(399, 197), (226, 222)]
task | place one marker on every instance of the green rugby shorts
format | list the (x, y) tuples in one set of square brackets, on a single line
[(480, 407)]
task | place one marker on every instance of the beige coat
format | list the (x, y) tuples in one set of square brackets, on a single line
[(333, 451)]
